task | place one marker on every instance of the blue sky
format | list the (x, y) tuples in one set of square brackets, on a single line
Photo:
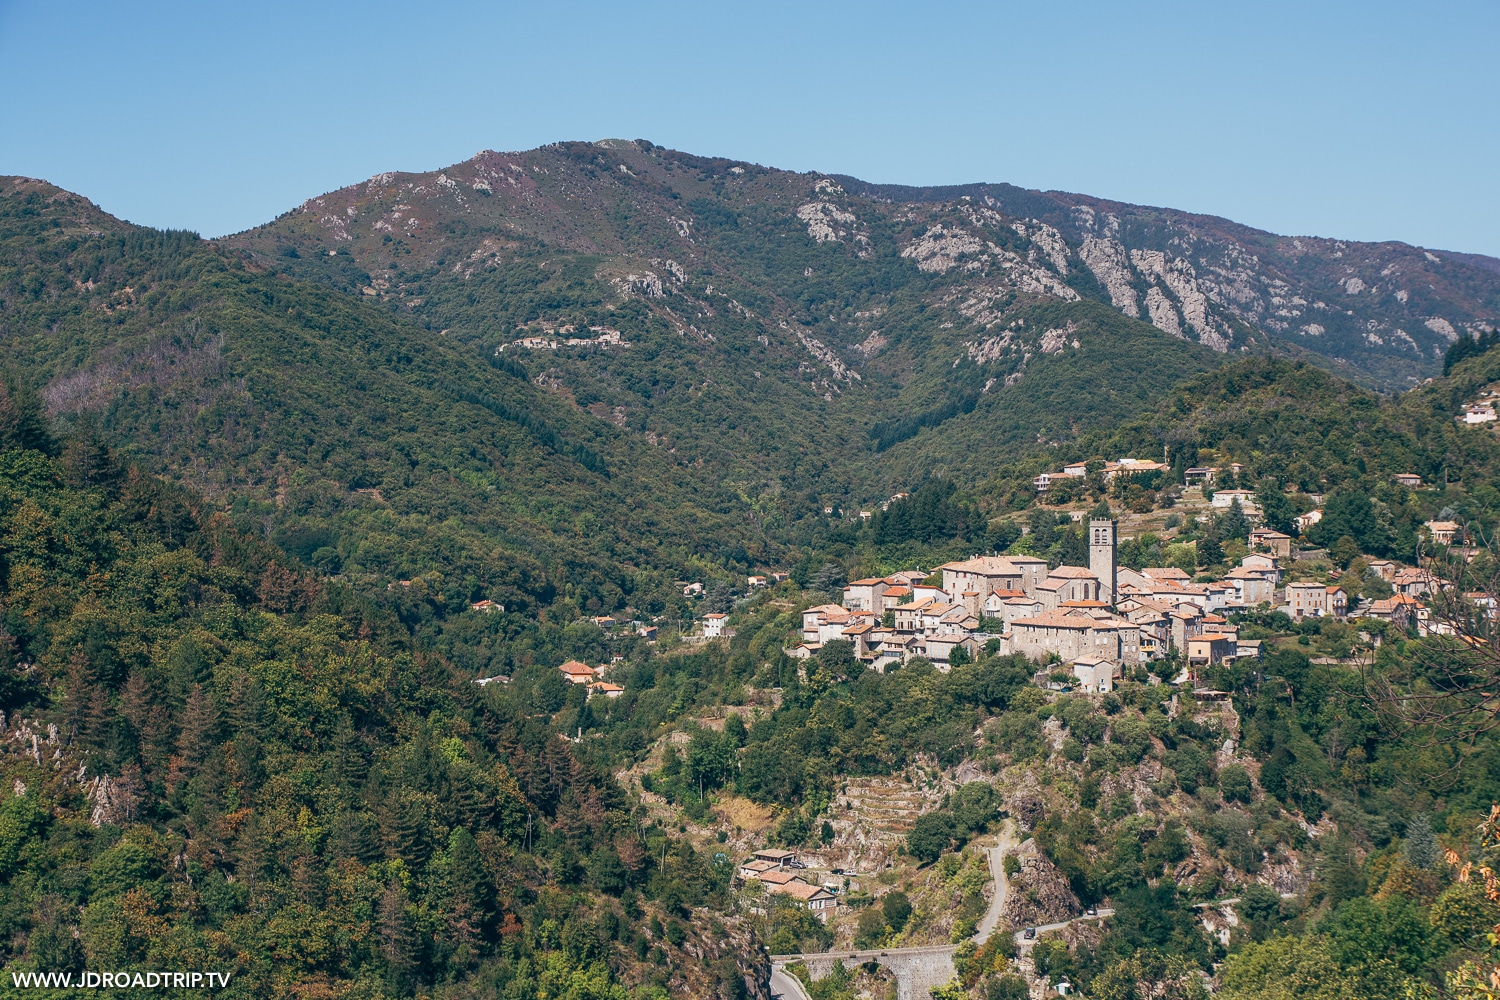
[(1356, 120)]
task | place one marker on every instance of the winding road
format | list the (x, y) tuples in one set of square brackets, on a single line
[(785, 985), (1002, 884)]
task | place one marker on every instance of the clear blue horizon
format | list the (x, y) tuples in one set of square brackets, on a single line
[(1372, 121)]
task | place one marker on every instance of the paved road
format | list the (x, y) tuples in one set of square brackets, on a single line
[(1104, 911), (785, 985), (1002, 884)]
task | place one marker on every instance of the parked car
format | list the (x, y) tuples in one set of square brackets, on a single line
[(1029, 934), (1092, 911)]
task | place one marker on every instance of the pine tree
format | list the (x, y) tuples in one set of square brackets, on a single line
[(88, 461), (1209, 549), (200, 723), (78, 690), (1233, 524), (406, 830), (470, 891), (1421, 846), (398, 943), (349, 755), (21, 422)]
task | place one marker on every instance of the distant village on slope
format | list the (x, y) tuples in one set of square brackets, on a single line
[(1086, 627)]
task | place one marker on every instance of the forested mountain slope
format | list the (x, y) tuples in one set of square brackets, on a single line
[(375, 447), (838, 258), (215, 762), (1304, 428), (685, 433), (760, 339)]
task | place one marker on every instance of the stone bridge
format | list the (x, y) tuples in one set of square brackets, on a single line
[(917, 970)]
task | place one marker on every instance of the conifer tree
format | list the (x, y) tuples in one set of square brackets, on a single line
[(78, 685), (200, 723), (1233, 524), (1421, 847), (88, 461), (21, 422), (398, 944)]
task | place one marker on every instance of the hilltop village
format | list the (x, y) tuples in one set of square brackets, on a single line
[(1096, 621), (1090, 625), (1086, 627)]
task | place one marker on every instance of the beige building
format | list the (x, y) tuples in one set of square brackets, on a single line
[(1074, 634), (1098, 676), (578, 673), (1251, 586), (1209, 649), (866, 595), (1442, 532), (986, 574), (1068, 583), (1306, 599), (814, 898), (1274, 542)]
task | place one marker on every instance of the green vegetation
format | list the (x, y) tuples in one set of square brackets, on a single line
[(220, 762), (249, 491)]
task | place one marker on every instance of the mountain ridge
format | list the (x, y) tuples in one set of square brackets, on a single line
[(1385, 310)]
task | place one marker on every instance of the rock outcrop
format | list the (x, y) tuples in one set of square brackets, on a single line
[(1039, 892)]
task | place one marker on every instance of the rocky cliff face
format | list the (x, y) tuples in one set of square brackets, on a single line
[(1385, 311), (719, 958), (1039, 892), (671, 222)]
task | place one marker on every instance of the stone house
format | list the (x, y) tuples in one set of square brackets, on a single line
[(1252, 586), (1268, 564), (866, 595), (1096, 675), (1414, 582), (1068, 583), (986, 574), (1274, 542), (1306, 599)]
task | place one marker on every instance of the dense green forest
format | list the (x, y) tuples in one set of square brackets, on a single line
[(219, 761), (375, 450)]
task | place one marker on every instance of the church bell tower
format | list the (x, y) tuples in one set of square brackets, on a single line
[(1102, 558)]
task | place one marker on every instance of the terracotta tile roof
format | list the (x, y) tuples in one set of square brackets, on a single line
[(575, 669), (801, 890), (986, 565), (781, 878)]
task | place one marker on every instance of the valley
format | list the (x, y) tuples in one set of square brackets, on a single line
[(603, 571)]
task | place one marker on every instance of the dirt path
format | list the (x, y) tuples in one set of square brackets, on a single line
[(1002, 884)]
